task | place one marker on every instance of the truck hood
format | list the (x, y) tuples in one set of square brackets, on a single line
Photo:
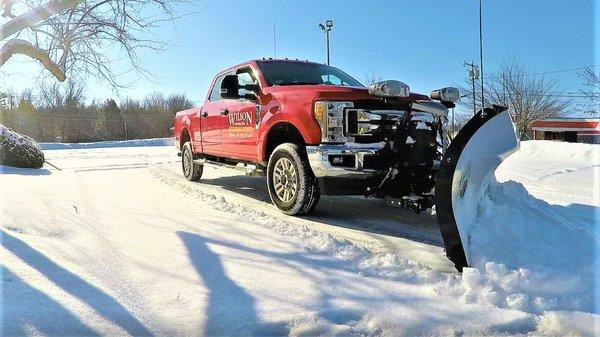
[(332, 92)]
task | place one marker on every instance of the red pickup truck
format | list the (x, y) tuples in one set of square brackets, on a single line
[(313, 129)]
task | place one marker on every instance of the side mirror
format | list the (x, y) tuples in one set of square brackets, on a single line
[(254, 87), (230, 87)]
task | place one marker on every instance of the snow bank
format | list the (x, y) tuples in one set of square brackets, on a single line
[(537, 253), (108, 144), (19, 150)]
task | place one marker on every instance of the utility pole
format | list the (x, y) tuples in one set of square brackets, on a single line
[(474, 75), (453, 126), (481, 56), (326, 29)]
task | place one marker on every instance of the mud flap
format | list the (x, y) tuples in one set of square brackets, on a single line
[(475, 153)]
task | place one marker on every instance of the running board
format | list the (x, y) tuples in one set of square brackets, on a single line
[(247, 169)]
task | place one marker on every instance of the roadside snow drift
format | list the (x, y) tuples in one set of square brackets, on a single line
[(119, 243), (535, 249), (109, 144)]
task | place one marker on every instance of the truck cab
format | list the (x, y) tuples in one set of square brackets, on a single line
[(312, 129)]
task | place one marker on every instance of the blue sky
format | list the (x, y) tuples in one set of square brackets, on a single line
[(422, 43)]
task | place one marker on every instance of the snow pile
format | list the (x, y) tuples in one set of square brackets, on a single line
[(19, 150), (109, 144), (534, 249)]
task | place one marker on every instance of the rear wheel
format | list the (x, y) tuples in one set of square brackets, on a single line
[(292, 185), (192, 171)]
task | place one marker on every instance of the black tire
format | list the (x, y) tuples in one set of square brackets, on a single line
[(315, 200), (192, 171), (292, 188)]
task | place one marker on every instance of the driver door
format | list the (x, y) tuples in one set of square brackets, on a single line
[(239, 138), (212, 121)]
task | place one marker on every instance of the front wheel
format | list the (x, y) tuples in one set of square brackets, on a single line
[(192, 171), (292, 185)]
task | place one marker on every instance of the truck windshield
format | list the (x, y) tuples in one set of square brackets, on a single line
[(301, 73)]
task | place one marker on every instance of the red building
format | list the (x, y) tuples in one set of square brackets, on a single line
[(573, 130)]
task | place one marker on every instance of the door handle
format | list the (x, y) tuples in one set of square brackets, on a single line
[(224, 112), (204, 114)]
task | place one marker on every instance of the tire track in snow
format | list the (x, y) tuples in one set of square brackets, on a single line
[(114, 274), (407, 252)]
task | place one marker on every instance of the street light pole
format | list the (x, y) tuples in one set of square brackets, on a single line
[(327, 33), (326, 28), (481, 56)]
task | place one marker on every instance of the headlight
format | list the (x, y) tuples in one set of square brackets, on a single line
[(330, 116)]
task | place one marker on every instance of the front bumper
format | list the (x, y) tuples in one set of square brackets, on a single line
[(352, 174)]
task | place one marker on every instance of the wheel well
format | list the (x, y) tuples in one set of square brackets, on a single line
[(282, 133), (185, 137)]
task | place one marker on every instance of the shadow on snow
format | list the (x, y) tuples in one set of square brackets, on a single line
[(105, 305)]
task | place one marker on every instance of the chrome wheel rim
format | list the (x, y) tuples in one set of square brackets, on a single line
[(285, 180), (186, 162)]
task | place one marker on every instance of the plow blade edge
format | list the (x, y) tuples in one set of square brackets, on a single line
[(474, 154)]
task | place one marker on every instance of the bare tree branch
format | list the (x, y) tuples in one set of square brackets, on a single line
[(17, 46), (527, 97), (7, 5), (84, 38), (371, 78), (34, 16), (592, 91)]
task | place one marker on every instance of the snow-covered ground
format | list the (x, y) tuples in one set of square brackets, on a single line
[(118, 243), (108, 144)]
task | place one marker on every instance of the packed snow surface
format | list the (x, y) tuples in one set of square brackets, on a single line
[(117, 242)]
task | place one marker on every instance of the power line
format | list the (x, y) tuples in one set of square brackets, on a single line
[(562, 70), (549, 72)]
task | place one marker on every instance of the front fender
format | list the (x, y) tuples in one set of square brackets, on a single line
[(300, 117)]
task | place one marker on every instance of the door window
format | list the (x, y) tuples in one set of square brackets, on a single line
[(215, 93)]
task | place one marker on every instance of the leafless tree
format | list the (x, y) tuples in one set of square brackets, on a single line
[(371, 78), (591, 91), (57, 96), (178, 102), (527, 97), (85, 37)]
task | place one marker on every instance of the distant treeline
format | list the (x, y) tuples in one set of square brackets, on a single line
[(57, 114)]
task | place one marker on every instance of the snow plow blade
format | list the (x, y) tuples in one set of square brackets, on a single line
[(475, 153)]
